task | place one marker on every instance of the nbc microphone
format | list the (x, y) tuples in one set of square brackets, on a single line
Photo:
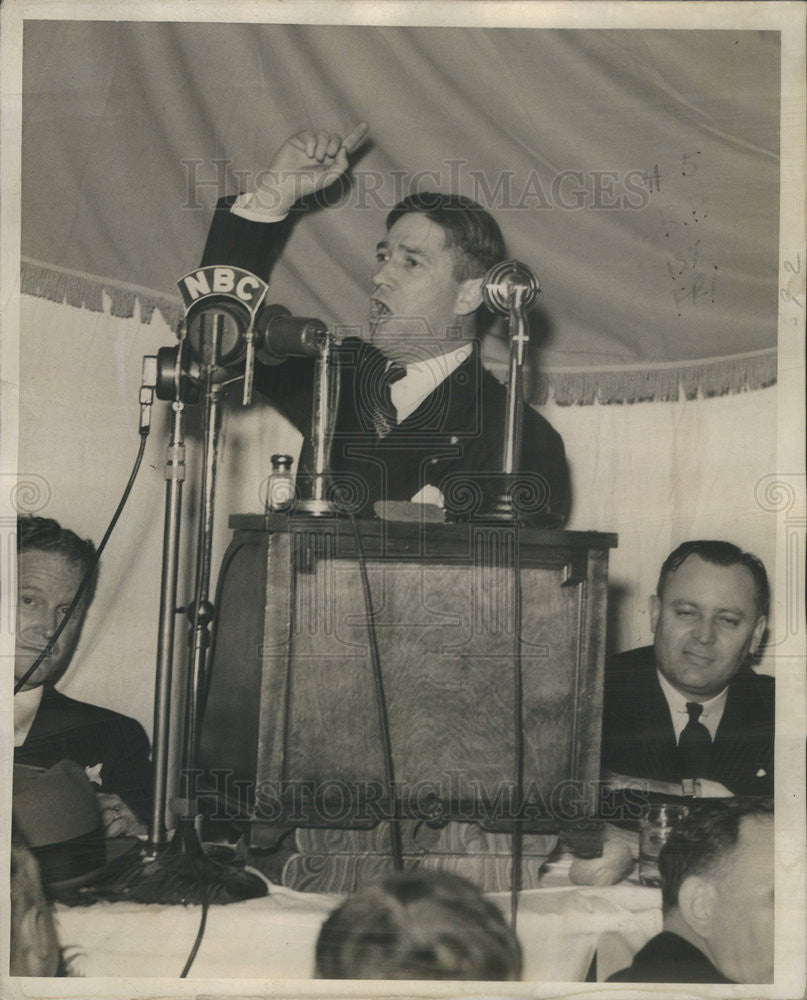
[(279, 335)]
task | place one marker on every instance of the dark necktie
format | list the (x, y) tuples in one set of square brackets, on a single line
[(695, 744), (379, 395)]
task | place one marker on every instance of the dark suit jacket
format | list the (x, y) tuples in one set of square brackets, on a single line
[(668, 958), (638, 736), (66, 729), (454, 439)]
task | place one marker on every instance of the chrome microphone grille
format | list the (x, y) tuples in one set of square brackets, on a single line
[(502, 279)]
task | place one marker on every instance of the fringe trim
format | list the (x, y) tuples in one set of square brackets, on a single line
[(86, 291), (663, 382)]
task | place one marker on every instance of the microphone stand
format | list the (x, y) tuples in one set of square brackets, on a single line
[(175, 477), (180, 870), (201, 611), (322, 417), (213, 878), (510, 288)]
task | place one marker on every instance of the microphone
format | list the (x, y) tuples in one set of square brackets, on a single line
[(228, 324), (216, 329), (281, 335), (506, 279), (221, 303)]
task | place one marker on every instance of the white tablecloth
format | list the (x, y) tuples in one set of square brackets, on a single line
[(560, 927)]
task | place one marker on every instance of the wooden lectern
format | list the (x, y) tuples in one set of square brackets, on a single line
[(479, 628)]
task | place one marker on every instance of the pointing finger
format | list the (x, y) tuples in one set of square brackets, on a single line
[(355, 136)]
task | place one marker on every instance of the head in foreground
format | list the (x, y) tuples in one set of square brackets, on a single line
[(718, 886), (34, 945), (418, 925)]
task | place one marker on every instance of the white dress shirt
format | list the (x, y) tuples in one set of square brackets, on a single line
[(26, 705), (423, 377), (248, 206), (710, 716)]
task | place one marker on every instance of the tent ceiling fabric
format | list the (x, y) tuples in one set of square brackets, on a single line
[(636, 171)]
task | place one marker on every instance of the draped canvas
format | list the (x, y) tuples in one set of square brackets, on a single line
[(636, 171)]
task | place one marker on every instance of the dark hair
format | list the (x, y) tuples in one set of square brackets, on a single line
[(418, 925), (720, 554), (43, 534), (703, 839), (472, 234)]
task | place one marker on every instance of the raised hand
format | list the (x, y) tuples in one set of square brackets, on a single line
[(306, 163)]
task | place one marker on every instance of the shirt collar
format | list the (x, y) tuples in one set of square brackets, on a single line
[(712, 710), (423, 377), (26, 705)]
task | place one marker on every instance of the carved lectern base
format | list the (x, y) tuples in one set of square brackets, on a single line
[(345, 860)]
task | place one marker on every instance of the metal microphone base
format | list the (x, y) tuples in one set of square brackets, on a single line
[(314, 508), (500, 510)]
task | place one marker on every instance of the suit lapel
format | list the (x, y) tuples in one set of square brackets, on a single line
[(447, 409), (662, 750), (48, 716), (734, 743)]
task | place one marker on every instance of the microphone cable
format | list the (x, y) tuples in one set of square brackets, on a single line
[(200, 933), (145, 426), (386, 741), (207, 680), (517, 840)]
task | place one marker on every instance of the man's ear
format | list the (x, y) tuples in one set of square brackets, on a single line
[(757, 634), (469, 296), (697, 899), (654, 607)]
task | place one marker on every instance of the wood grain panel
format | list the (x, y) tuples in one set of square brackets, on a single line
[(299, 703)]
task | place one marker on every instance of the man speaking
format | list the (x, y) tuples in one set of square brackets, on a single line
[(418, 416)]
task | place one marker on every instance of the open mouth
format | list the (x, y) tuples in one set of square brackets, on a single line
[(379, 311)]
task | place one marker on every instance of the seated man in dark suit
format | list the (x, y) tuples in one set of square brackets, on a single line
[(49, 726), (717, 899), (418, 416), (688, 715)]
